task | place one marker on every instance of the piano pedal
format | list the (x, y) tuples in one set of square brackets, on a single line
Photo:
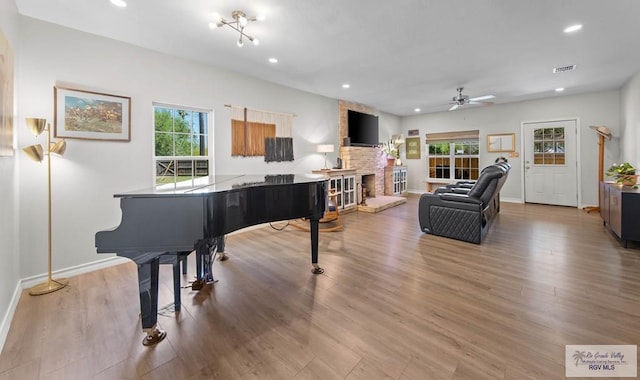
[(199, 284), (154, 336), (223, 256)]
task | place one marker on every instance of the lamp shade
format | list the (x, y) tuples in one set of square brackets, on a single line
[(325, 148), (602, 131), (35, 125), (34, 152), (58, 148)]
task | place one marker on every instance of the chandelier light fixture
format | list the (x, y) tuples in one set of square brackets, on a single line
[(239, 22)]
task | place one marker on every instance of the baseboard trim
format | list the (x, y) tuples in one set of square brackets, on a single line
[(8, 316), (74, 271), (510, 200), (28, 282)]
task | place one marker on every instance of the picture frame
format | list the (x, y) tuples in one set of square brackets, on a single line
[(412, 147), (501, 142), (6, 96), (414, 132), (88, 115)]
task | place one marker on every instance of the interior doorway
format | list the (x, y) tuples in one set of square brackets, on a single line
[(550, 162)]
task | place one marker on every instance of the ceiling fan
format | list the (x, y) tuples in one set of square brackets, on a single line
[(460, 100)]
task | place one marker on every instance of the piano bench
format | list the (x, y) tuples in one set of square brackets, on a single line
[(175, 258)]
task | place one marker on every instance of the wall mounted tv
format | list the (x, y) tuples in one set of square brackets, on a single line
[(363, 129)]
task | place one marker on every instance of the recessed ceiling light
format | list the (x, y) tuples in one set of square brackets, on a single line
[(273, 60), (417, 110), (346, 85), (119, 3), (572, 28), (559, 89)]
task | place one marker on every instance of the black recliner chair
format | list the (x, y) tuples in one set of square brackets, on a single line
[(464, 214)]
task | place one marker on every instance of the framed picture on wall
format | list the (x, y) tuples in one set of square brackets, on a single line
[(503, 142), (87, 115), (413, 147), (6, 97)]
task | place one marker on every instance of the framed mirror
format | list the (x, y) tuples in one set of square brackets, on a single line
[(501, 142)]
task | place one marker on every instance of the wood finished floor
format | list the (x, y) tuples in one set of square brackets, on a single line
[(393, 303)]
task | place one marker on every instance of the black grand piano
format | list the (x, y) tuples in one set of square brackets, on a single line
[(196, 216)]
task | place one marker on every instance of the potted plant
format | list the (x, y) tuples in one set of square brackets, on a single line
[(624, 173), (392, 149)]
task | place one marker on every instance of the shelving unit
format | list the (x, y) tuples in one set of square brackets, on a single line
[(395, 180), (343, 182)]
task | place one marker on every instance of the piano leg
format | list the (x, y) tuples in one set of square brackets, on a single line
[(148, 284), (314, 224)]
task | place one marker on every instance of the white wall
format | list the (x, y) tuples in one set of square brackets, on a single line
[(9, 275), (592, 109), (630, 121), (85, 180)]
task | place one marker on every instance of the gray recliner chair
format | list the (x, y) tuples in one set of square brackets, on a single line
[(464, 214)]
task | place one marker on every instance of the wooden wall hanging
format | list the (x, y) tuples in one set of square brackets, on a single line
[(261, 133)]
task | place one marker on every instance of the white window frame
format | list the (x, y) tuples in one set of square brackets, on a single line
[(208, 157), (452, 158)]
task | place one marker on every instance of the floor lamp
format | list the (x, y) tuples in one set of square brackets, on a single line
[(604, 133), (37, 153)]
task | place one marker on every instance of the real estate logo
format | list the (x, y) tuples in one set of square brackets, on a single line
[(601, 361)]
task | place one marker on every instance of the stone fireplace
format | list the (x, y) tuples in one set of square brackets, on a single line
[(369, 183), (369, 162)]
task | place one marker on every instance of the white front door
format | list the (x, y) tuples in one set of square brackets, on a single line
[(550, 172)]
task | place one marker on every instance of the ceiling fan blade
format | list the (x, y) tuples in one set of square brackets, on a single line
[(481, 103), (479, 98), (453, 107)]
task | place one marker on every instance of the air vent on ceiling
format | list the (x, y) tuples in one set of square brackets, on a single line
[(563, 69)]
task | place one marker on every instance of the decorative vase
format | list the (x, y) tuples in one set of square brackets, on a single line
[(398, 162), (628, 180), (391, 161)]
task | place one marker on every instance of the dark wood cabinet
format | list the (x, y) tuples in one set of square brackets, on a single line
[(620, 210)]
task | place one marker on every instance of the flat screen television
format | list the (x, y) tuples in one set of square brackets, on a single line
[(363, 129)]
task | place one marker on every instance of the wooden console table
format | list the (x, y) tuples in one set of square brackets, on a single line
[(620, 210)]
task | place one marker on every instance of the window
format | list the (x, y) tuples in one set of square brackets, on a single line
[(548, 146), (453, 155), (181, 142)]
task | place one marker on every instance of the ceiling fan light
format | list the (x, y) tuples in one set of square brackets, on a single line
[(255, 41), (240, 43), (242, 21)]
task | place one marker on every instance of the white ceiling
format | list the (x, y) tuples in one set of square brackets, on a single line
[(397, 55)]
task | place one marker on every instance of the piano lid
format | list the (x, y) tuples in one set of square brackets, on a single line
[(223, 183)]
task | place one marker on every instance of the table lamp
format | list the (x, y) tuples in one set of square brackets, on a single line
[(325, 148)]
